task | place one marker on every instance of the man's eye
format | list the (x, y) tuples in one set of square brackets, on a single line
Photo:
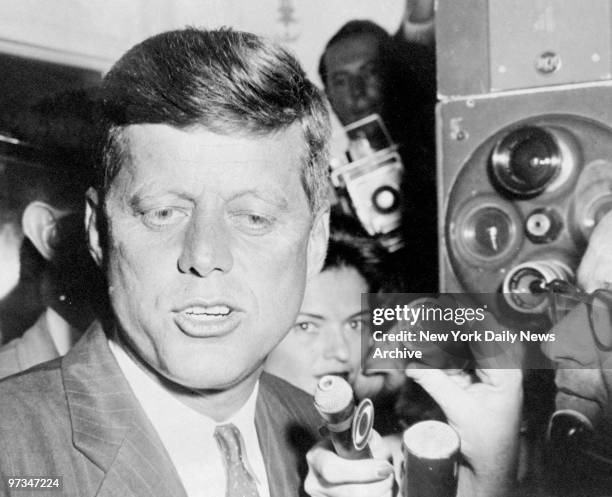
[(164, 216), (339, 82), (253, 223), (355, 324), (305, 327)]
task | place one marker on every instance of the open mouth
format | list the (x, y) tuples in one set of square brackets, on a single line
[(207, 313), (207, 321)]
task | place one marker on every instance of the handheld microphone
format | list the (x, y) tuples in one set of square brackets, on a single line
[(349, 426), (431, 458)]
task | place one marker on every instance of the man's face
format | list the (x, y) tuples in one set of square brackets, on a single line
[(326, 337), (355, 80), (582, 350), (210, 240), (583, 357)]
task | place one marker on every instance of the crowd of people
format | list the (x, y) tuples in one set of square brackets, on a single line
[(183, 282)]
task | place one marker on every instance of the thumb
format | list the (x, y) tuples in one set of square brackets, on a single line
[(379, 447), (446, 392)]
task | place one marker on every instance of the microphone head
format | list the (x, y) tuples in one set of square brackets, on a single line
[(333, 394), (431, 440)]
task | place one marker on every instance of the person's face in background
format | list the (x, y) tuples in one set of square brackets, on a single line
[(10, 242), (210, 241), (582, 350), (582, 353), (355, 77), (326, 337)]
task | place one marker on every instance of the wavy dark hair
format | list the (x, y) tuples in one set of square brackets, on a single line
[(350, 246), (228, 82)]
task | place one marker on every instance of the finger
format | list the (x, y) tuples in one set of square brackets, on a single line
[(334, 470), (317, 488), (507, 379), (379, 447), (394, 444), (446, 392)]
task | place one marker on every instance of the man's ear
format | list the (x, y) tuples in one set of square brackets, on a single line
[(317, 243), (91, 225), (40, 225)]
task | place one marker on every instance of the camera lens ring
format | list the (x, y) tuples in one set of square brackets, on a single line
[(469, 232), (524, 285), (526, 161)]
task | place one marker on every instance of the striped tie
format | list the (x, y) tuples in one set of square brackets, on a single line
[(240, 482)]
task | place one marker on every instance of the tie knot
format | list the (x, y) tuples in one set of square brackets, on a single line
[(230, 441), (240, 482)]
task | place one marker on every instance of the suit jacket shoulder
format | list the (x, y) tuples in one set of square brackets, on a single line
[(76, 417), (33, 347), (295, 402), (35, 430)]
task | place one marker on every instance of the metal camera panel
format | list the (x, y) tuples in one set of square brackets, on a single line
[(487, 46), (559, 142)]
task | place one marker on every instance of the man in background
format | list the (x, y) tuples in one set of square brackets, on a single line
[(581, 428), (50, 286), (366, 71)]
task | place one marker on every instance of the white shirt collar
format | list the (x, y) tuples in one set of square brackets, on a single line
[(63, 335), (187, 435)]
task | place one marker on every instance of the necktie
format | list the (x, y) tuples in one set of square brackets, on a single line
[(240, 482)]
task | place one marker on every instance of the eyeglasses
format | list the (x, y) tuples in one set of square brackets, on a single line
[(564, 296)]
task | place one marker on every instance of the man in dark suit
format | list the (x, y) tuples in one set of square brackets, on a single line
[(208, 217), (44, 174)]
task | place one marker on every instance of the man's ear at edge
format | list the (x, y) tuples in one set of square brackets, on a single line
[(40, 225)]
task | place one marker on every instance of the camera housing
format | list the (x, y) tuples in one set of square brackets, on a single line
[(369, 183), (523, 179)]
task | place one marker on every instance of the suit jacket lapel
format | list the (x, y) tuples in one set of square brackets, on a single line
[(109, 426), (283, 441)]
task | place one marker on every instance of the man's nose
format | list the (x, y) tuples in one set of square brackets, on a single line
[(573, 339), (336, 346), (357, 87), (206, 247)]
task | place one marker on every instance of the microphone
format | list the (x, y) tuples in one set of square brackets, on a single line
[(349, 426), (431, 458)]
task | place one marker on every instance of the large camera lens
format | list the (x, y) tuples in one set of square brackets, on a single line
[(488, 232), (485, 230), (525, 162)]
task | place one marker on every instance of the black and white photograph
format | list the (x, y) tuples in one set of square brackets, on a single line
[(276, 248)]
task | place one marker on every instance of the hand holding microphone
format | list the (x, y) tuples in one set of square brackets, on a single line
[(430, 449), (486, 414), (349, 426), (358, 463)]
